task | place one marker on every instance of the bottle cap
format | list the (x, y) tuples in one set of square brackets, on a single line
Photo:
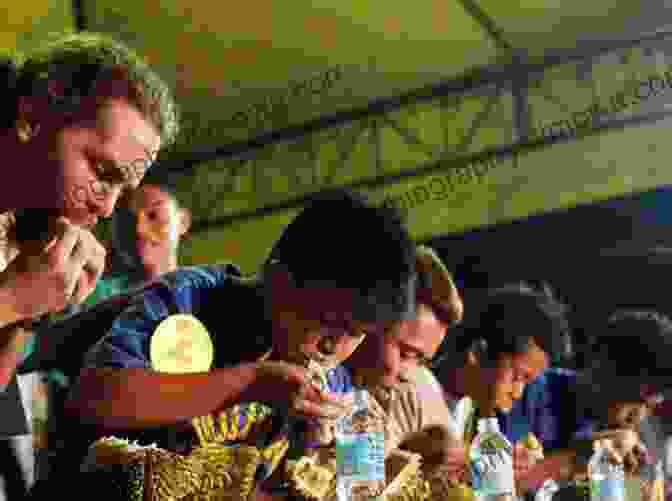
[(488, 424)]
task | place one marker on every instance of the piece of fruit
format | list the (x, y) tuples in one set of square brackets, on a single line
[(531, 442)]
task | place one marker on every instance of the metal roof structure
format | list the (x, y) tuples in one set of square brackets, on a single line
[(464, 113)]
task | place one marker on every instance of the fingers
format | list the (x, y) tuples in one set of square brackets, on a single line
[(81, 258), (61, 251), (309, 401), (93, 268), (614, 454), (309, 408), (630, 463)]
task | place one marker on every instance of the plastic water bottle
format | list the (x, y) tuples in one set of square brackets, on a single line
[(491, 463), (360, 452), (607, 480)]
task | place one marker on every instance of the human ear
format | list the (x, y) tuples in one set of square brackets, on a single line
[(184, 218)]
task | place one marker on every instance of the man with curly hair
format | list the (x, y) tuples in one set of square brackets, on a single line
[(84, 119)]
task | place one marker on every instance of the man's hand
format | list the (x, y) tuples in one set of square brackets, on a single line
[(625, 447), (523, 459), (439, 448), (46, 278), (281, 382)]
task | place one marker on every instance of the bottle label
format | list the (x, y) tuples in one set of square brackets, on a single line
[(608, 488), (361, 456), (492, 466)]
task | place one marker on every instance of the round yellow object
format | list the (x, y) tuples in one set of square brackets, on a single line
[(532, 442), (181, 344)]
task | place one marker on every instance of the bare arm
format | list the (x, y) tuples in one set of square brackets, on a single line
[(44, 279), (139, 398)]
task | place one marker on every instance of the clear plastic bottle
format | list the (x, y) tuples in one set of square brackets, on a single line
[(360, 453), (607, 479), (491, 463)]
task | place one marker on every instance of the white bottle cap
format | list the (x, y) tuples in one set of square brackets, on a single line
[(488, 424)]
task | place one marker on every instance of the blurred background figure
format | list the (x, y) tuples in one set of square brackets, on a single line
[(146, 235)]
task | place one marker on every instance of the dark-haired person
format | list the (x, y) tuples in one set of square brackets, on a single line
[(629, 370), (317, 298), (414, 342), (146, 234), (83, 119), (394, 368), (386, 364), (501, 369), (506, 341)]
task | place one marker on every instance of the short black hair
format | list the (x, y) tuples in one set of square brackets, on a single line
[(638, 343), (630, 352), (343, 240), (509, 318)]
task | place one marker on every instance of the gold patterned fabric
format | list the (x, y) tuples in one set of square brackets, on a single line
[(242, 445), (213, 472)]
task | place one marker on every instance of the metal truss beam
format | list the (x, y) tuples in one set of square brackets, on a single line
[(78, 12), (478, 78), (510, 150), (488, 24)]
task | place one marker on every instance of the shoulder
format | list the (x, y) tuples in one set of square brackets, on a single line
[(204, 276), (188, 287), (552, 378)]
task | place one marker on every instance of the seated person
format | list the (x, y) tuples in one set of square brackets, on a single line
[(629, 369), (550, 406), (407, 347), (622, 386), (505, 342), (318, 297), (419, 419)]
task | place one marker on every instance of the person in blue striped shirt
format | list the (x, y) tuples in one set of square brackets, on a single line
[(342, 269)]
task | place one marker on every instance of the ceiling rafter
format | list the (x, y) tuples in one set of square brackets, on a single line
[(476, 12), (478, 78), (510, 150), (79, 14)]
